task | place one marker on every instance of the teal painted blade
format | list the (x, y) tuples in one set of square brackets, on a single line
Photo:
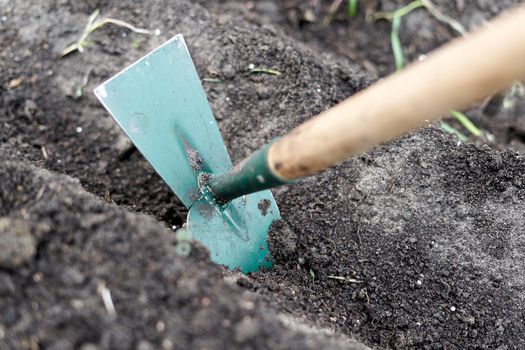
[(235, 232), (161, 105)]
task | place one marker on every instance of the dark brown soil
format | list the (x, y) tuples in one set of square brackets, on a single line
[(417, 244)]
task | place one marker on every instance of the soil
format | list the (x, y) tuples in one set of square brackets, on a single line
[(415, 244)]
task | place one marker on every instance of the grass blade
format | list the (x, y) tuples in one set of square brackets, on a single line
[(451, 130), (467, 123), (352, 8), (397, 49)]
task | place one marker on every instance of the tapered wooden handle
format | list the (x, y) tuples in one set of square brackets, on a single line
[(453, 77)]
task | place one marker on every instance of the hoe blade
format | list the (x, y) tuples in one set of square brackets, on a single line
[(161, 105)]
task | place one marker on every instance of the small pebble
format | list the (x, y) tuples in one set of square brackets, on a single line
[(17, 245), (228, 72), (246, 329), (61, 344), (78, 129), (7, 287), (160, 326), (452, 308), (145, 345), (88, 346), (167, 344)]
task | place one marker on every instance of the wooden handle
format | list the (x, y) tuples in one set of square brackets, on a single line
[(452, 77)]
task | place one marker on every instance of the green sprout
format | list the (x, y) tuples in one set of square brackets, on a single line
[(452, 130), (397, 49), (94, 24), (399, 58), (270, 71), (352, 8), (395, 18), (312, 274), (467, 123), (79, 89)]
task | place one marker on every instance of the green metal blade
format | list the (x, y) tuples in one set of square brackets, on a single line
[(235, 232), (160, 103)]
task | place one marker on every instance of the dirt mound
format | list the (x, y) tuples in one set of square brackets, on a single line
[(418, 244), (76, 272)]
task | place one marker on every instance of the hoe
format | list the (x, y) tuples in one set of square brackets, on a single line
[(161, 105)]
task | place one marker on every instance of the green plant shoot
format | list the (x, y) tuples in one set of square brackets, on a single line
[(352, 8), (467, 123)]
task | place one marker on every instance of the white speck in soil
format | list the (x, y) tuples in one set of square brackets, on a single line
[(251, 66), (78, 129), (160, 326), (318, 90), (3, 18), (157, 32), (124, 34), (419, 282), (167, 344), (452, 308)]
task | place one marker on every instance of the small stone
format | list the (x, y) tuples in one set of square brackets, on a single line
[(88, 346), (17, 245), (145, 345), (7, 287), (160, 326), (228, 72), (468, 319), (167, 344), (62, 344), (245, 282), (72, 276), (452, 308), (245, 329), (263, 92), (117, 337)]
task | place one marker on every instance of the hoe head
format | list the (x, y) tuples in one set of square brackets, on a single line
[(161, 105)]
